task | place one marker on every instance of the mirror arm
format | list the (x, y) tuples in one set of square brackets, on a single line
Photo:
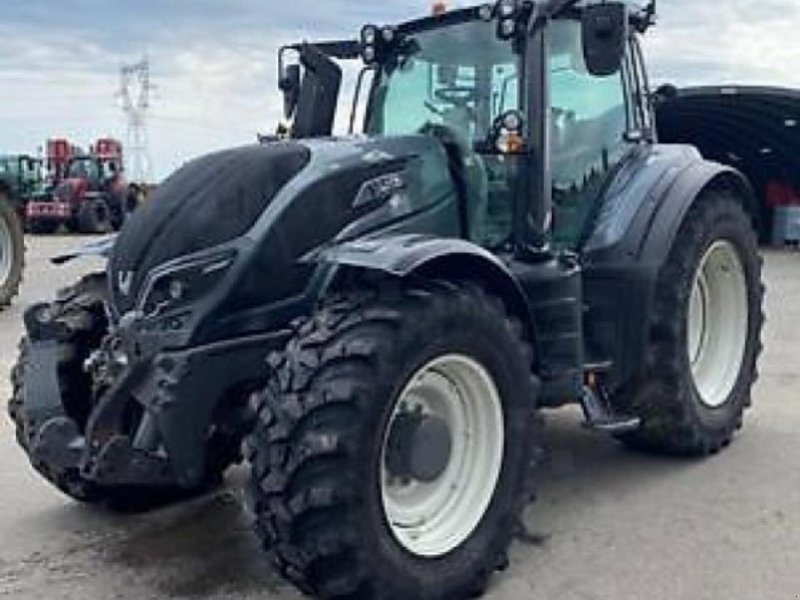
[(356, 96)]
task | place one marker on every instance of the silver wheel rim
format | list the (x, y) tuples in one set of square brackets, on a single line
[(716, 334), (6, 252), (431, 519)]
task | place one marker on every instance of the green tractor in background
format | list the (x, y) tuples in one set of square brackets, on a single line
[(20, 179)]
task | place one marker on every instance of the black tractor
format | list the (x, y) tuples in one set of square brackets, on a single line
[(383, 317)]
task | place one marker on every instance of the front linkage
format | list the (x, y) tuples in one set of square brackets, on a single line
[(88, 398)]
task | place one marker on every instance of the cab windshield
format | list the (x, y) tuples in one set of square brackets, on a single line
[(9, 166), (84, 168), (461, 75)]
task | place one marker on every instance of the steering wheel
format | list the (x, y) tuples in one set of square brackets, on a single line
[(457, 95)]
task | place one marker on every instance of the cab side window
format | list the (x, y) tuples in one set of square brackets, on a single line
[(588, 122)]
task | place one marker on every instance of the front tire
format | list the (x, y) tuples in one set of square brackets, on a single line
[(706, 335), (352, 442), (12, 251), (94, 216)]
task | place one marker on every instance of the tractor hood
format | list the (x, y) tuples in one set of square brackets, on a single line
[(70, 189), (275, 203)]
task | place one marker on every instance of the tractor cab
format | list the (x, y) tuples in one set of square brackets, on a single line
[(537, 105), (95, 172), (89, 193), (100, 170), (383, 315), (21, 176)]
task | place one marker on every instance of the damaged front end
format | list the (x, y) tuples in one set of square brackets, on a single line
[(98, 404)]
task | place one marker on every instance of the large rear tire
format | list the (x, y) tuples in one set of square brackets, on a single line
[(81, 311), (394, 443), (12, 251), (706, 335)]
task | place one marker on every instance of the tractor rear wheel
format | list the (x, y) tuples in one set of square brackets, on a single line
[(394, 444), (94, 216), (12, 251), (706, 335)]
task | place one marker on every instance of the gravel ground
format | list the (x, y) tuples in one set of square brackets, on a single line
[(609, 524)]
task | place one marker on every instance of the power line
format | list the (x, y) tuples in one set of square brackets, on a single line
[(134, 93)]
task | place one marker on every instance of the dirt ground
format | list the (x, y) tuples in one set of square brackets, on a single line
[(609, 523)]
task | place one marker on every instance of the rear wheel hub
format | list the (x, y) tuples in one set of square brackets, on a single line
[(716, 332)]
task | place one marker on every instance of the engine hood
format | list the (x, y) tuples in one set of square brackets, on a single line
[(286, 198), (71, 188)]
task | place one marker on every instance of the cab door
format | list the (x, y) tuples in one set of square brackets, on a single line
[(589, 119)]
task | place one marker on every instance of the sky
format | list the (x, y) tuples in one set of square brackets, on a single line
[(213, 62)]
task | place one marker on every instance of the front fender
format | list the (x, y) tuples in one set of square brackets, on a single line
[(406, 255), (402, 254)]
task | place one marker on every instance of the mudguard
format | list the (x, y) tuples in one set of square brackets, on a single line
[(404, 255), (633, 234), (645, 206), (690, 185)]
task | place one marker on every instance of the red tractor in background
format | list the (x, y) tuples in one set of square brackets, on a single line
[(59, 152), (89, 193)]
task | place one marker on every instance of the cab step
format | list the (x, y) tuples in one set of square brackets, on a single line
[(600, 416)]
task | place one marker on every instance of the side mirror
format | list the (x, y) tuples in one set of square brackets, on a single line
[(290, 86), (605, 35)]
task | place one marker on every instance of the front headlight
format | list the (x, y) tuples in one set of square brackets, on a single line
[(185, 283)]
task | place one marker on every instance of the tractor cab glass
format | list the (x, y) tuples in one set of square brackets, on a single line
[(588, 119), (456, 82), (8, 166), (109, 169), (83, 168), (462, 76)]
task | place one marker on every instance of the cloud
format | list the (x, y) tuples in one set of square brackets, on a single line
[(738, 41), (213, 61)]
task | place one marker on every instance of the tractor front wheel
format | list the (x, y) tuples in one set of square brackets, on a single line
[(706, 335), (394, 442), (94, 216), (12, 251)]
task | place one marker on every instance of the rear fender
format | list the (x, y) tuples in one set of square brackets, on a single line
[(623, 259), (703, 178)]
